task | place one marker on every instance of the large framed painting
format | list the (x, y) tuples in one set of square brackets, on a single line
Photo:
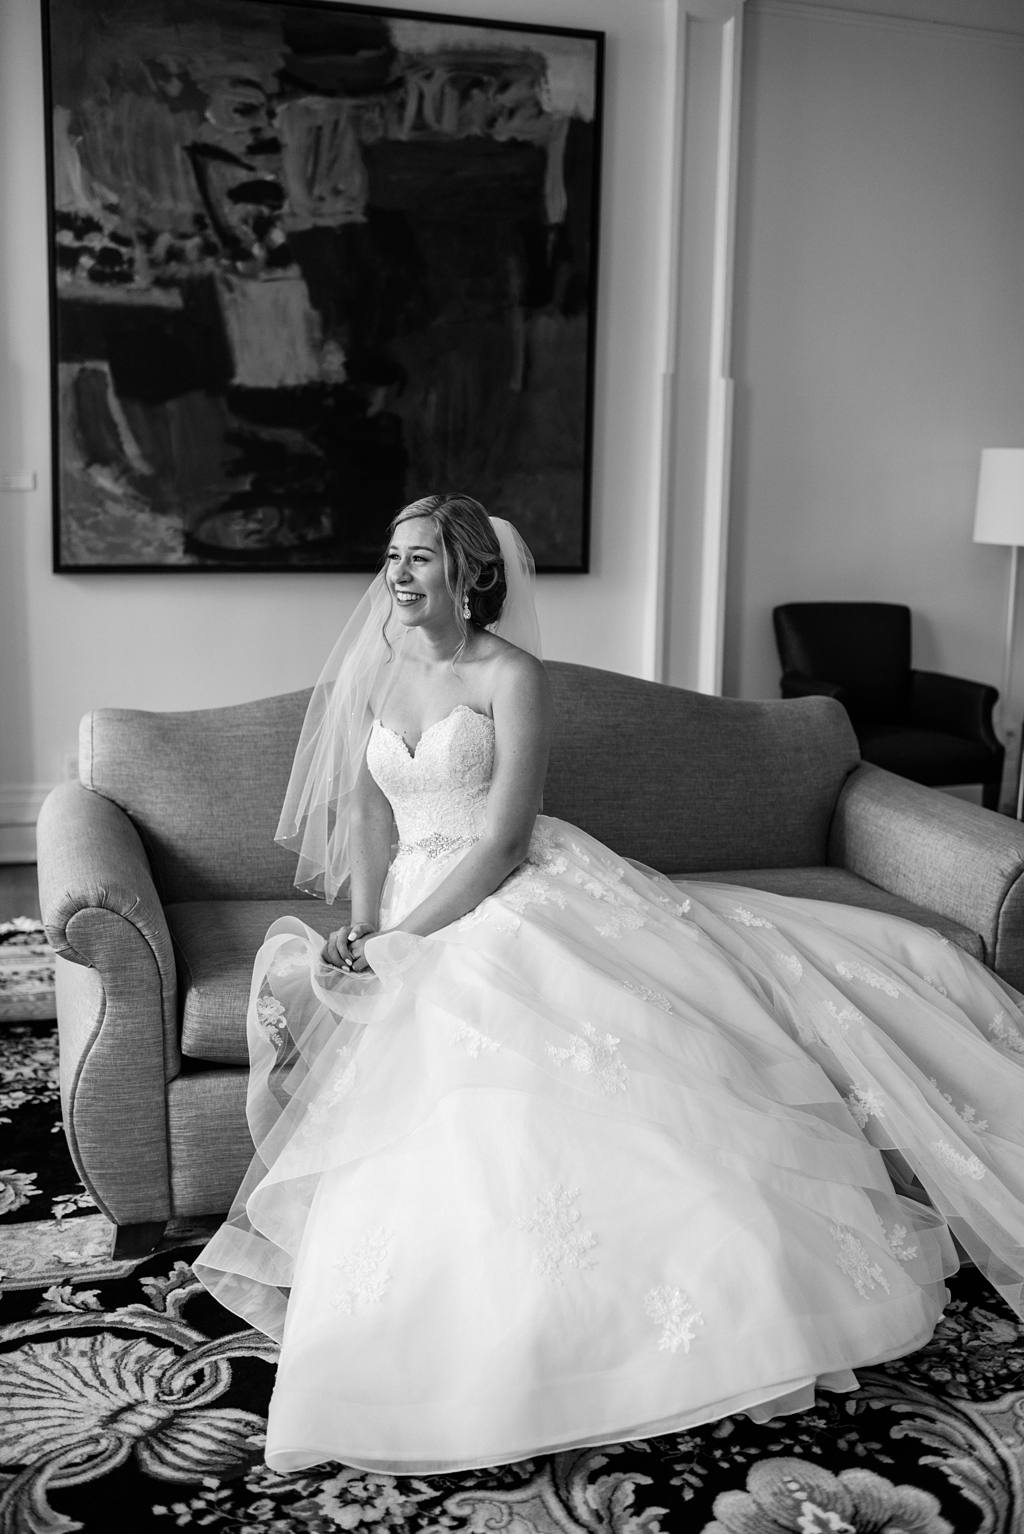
[(308, 262)]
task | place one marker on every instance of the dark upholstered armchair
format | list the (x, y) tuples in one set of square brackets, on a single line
[(932, 728)]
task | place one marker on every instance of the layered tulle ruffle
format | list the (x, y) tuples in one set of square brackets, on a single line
[(609, 1157)]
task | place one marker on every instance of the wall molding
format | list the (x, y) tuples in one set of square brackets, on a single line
[(654, 660), (718, 450), (704, 55), (20, 803), (852, 16), (17, 844)]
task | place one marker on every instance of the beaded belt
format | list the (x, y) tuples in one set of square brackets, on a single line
[(435, 845)]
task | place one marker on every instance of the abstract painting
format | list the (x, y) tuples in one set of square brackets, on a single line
[(309, 262)]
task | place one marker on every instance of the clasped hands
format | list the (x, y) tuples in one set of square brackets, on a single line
[(344, 949)]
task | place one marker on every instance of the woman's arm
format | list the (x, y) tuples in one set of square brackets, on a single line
[(523, 715), (369, 831)]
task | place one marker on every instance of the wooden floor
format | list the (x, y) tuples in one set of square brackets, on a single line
[(19, 892)]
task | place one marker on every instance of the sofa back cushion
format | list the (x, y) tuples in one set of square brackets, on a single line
[(675, 779), (204, 789), (686, 782)]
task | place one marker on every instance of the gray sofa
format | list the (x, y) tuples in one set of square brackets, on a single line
[(159, 876)]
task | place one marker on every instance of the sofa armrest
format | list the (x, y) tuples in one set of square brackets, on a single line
[(117, 1000), (794, 686), (942, 853), (950, 703)]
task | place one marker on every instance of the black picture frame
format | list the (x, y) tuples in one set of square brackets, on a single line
[(308, 261)]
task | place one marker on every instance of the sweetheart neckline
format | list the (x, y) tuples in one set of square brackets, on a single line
[(415, 749)]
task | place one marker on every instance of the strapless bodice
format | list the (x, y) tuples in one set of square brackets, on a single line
[(439, 793)]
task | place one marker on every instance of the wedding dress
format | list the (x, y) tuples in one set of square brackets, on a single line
[(607, 1157)]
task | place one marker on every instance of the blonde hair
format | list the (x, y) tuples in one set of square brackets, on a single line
[(474, 570)]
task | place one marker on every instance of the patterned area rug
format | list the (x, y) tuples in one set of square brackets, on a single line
[(125, 1386), (26, 971)]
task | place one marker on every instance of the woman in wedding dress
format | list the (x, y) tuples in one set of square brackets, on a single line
[(551, 1151)]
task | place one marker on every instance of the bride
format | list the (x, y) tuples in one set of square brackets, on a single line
[(554, 1152)]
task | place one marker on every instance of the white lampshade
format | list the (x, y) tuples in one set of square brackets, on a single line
[(999, 510)]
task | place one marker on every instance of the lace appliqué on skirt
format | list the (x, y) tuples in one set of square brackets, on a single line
[(1006, 1034), (528, 888), (748, 919), (562, 1244), (545, 851), (271, 1017), (288, 963), (611, 889), (865, 1103), (671, 1309), (473, 1041), (968, 1116), (594, 1057), (495, 914), (856, 1264), (896, 1240), (623, 921), (644, 993), (963, 1166), (323, 1107), (853, 969), (364, 1270), (842, 1018)]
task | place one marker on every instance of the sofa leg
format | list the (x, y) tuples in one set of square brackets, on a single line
[(131, 1241), (990, 795)]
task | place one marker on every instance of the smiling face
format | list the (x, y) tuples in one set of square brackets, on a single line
[(415, 566)]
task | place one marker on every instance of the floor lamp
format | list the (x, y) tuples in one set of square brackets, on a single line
[(999, 518)]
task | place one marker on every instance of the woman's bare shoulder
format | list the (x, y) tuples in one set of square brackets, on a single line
[(503, 656), (519, 674)]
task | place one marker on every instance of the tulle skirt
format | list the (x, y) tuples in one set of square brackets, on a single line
[(609, 1157)]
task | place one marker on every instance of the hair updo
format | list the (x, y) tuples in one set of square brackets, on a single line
[(474, 570)]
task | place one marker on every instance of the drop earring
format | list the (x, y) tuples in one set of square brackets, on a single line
[(465, 608)]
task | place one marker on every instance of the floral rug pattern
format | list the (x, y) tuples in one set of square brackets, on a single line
[(26, 971), (126, 1386)]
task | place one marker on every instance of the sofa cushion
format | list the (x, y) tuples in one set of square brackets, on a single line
[(685, 782), (677, 779), (215, 943), (840, 885), (204, 790), (208, 1139)]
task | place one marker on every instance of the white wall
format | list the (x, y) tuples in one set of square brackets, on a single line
[(162, 641), (878, 339)]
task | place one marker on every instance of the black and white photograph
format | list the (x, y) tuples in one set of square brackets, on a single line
[(511, 772)]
